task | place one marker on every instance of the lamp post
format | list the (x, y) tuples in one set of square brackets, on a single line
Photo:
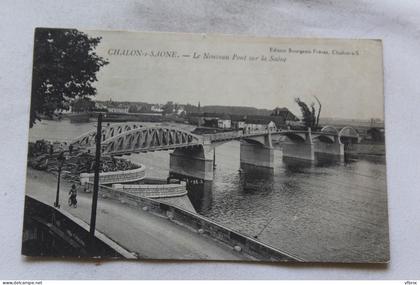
[(60, 162), (96, 182)]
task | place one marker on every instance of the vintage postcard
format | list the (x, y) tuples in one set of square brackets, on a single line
[(206, 147)]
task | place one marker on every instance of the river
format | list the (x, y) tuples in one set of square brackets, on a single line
[(323, 211)]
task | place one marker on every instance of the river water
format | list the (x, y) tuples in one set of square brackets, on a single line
[(322, 211)]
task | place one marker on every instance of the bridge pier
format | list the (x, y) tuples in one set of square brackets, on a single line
[(256, 154), (303, 150), (194, 162), (335, 149), (300, 147)]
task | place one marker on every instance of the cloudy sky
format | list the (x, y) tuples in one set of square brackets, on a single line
[(345, 75)]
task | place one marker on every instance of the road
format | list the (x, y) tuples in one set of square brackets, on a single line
[(149, 236)]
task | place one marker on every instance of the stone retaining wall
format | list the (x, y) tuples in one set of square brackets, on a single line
[(153, 190), (113, 177), (237, 241)]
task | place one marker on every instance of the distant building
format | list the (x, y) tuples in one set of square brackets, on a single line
[(288, 117), (224, 122), (279, 118), (262, 123), (180, 110), (238, 122), (100, 106), (215, 120), (157, 108), (210, 120)]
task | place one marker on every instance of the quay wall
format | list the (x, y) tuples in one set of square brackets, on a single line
[(123, 176), (200, 224), (149, 191), (153, 190)]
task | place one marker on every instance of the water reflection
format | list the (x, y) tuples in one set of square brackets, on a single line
[(250, 180), (254, 178), (292, 166)]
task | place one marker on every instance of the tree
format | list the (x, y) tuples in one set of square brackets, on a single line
[(133, 109), (319, 111), (64, 68), (309, 116), (191, 108), (83, 104), (168, 108)]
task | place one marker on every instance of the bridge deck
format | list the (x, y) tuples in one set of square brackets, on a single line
[(234, 135)]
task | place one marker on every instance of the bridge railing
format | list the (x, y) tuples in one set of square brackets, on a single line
[(222, 136), (257, 132), (233, 135)]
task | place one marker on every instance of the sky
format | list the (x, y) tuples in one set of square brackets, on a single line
[(346, 75)]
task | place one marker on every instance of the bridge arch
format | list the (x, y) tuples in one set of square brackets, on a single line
[(328, 134), (330, 130), (348, 135), (257, 140), (145, 139), (108, 131), (296, 136)]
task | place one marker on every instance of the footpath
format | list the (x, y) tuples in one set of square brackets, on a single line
[(149, 236)]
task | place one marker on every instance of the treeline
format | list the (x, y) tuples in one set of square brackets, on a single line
[(171, 107)]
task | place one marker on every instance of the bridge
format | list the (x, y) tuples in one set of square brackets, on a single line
[(195, 153), (127, 138)]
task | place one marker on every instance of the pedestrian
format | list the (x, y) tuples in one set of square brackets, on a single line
[(73, 196)]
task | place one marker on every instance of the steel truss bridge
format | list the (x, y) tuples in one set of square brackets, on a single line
[(128, 138)]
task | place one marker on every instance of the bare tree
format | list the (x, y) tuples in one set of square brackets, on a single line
[(319, 111), (309, 115)]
